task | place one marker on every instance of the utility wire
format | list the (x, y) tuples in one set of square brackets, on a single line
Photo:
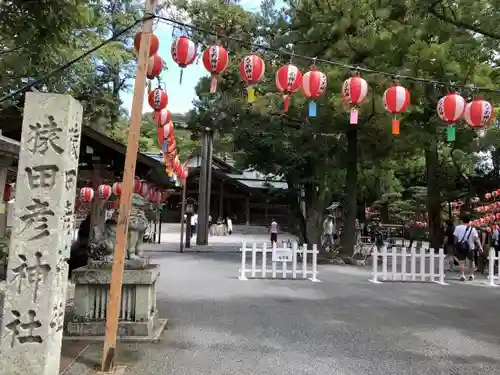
[(327, 62), (72, 62)]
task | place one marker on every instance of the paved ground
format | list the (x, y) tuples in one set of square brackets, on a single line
[(344, 325), (170, 238)]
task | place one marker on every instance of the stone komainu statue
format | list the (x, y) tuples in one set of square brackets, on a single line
[(103, 244)]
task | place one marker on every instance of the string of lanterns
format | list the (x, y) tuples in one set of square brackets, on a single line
[(313, 84), (183, 53), (105, 192)]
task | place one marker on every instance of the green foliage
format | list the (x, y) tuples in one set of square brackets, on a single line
[(40, 36), (407, 175)]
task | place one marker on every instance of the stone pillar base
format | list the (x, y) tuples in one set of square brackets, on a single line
[(138, 314)]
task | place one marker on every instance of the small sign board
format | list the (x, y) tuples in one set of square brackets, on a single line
[(282, 255)]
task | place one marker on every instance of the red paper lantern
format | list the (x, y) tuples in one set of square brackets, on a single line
[(7, 193), (104, 191), (137, 185), (172, 146), (478, 113), (158, 99), (396, 101), (487, 196), (288, 81), (158, 196), (176, 163), (153, 46), (155, 66), (113, 204), (86, 194), (216, 60), (117, 189), (167, 129), (183, 52), (354, 92), (144, 189), (314, 84), (152, 194), (252, 69), (162, 117), (451, 107)]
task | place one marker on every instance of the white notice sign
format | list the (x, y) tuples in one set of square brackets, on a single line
[(282, 255)]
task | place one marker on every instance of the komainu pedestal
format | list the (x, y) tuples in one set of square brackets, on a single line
[(138, 314)]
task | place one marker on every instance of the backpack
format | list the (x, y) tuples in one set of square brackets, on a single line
[(463, 244)]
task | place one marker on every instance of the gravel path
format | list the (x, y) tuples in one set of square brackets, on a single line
[(344, 325)]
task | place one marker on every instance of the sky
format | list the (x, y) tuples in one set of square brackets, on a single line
[(180, 96)]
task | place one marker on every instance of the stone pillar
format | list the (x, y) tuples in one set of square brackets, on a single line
[(35, 295)]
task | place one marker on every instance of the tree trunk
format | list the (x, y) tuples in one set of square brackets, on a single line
[(315, 215), (299, 221), (351, 194), (433, 194)]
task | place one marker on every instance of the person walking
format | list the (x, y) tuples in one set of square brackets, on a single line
[(449, 244), (229, 224), (274, 229), (328, 231), (194, 224), (466, 243)]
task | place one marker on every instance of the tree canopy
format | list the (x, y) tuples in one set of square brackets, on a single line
[(405, 177)]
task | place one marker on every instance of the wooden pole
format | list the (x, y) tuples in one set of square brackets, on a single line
[(115, 289), (183, 211)]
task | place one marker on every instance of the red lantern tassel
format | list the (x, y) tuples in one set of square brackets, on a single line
[(286, 102), (213, 84), (354, 116), (395, 126), (180, 79)]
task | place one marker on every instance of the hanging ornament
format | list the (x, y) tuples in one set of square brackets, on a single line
[(117, 189), (162, 117), (7, 192), (313, 87), (450, 108), (158, 99), (354, 92), (478, 113), (216, 60), (137, 185), (183, 52), (104, 191), (172, 146), (252, 69), (155, 66), (288, 81), (168, 129), (86, 194), (396, 101), (154, 45), (144, 189), (152, 194)]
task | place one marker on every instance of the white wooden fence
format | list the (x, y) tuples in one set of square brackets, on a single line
[(401, 264), (280, 259), (493, 260)]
